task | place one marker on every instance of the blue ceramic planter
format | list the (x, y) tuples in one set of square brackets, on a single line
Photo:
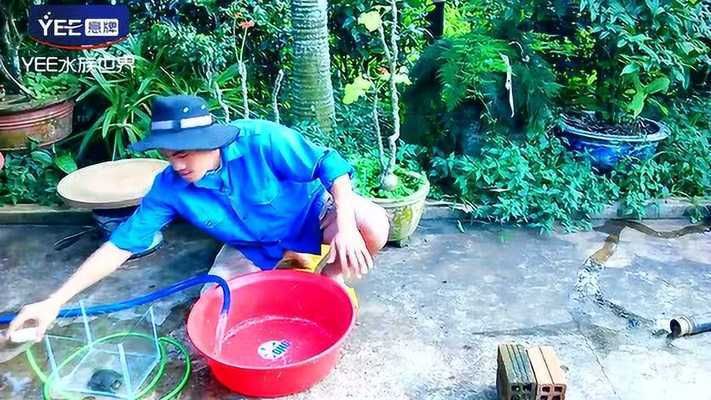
[(607, 150)]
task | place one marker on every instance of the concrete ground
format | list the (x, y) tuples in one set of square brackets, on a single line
[(431, 315)]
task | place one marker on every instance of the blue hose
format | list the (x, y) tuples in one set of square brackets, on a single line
[(147, 298)]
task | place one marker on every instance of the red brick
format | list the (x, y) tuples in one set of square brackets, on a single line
[(551, 383)]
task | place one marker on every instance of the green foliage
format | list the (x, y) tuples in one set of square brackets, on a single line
[(643, 48), (13, 14), (467, 77), (368, 174), (455, 21), (354, 133), (682, 167), (128, 96), (471, 66), (354, 49), (639, 182), (542, 184), (204, 40), (50, 86), (127, 116), (356, 89), (191, 52), (537, 183), (32, 176)]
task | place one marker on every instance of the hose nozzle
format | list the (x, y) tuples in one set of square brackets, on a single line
[(685, 325)]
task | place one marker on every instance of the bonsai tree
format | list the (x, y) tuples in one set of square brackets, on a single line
[(393, 75), (10, 40), (35, 87), (402, 195)]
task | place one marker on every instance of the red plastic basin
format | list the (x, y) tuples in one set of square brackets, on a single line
[(284, 332)]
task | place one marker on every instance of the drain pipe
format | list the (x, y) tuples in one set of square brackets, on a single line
[(690, 325)]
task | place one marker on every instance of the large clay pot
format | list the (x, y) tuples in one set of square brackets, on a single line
[(405, 213), (47, 122)]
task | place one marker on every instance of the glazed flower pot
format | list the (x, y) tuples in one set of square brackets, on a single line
[(607, 150), (405, 213), (47, 122)]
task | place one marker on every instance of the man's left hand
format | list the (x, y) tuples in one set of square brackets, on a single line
[(349, 248)]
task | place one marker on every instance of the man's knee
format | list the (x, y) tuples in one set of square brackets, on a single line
[(375, 229), (229, 264)]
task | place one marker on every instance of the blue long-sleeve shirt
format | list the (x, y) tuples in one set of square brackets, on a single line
[(264, 199)]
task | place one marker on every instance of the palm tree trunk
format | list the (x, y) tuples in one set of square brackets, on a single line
[(312, 91)]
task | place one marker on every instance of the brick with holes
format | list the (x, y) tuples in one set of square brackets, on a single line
[(514, 376), (551, 384)]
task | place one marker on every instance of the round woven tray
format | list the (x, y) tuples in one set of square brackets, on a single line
[(111, 184)]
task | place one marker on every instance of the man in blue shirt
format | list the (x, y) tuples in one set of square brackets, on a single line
[(259, 187)]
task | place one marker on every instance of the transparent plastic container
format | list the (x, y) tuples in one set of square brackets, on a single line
[(116, 365)]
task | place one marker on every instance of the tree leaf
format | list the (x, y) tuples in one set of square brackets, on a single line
[(371, 20), (637, 104), (66, 163), (353, 91), (658, 85), (42, 157), (630, 69)]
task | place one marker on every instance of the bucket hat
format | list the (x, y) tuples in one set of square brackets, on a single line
[(182, 122)]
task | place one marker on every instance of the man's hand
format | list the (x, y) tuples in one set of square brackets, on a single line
[(42, 313), (101, 263), (348, 245)]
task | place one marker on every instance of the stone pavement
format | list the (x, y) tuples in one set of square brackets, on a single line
[(431, 315)]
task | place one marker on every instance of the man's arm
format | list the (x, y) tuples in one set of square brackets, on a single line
[(348, 245), (296, 158), (105, 260), (132, 236)]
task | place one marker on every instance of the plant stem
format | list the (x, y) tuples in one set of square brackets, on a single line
[(245, 102), (394, 98), (275, 95), (244, 39), (220, 99), (241, 67), (378, 134), (14, 72), (12, 79)]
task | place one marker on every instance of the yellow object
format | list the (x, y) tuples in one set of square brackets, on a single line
[(314, 263)]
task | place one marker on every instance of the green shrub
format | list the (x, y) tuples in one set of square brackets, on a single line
[(50, 86), (462, 81), (682, 166), (32, 176), (190, 52), (538, 183), (367, 179), (643, 49), (542, 184)]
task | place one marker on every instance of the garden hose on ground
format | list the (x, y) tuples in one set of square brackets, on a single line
[(164, 341), (147, 298)]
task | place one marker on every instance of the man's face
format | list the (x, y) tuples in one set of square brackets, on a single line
[(192, 165)]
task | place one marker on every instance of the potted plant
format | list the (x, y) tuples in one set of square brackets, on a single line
[(630, 54), (402, 192), (33, 106)]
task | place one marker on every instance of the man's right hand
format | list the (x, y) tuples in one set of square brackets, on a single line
[(42, 314)]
